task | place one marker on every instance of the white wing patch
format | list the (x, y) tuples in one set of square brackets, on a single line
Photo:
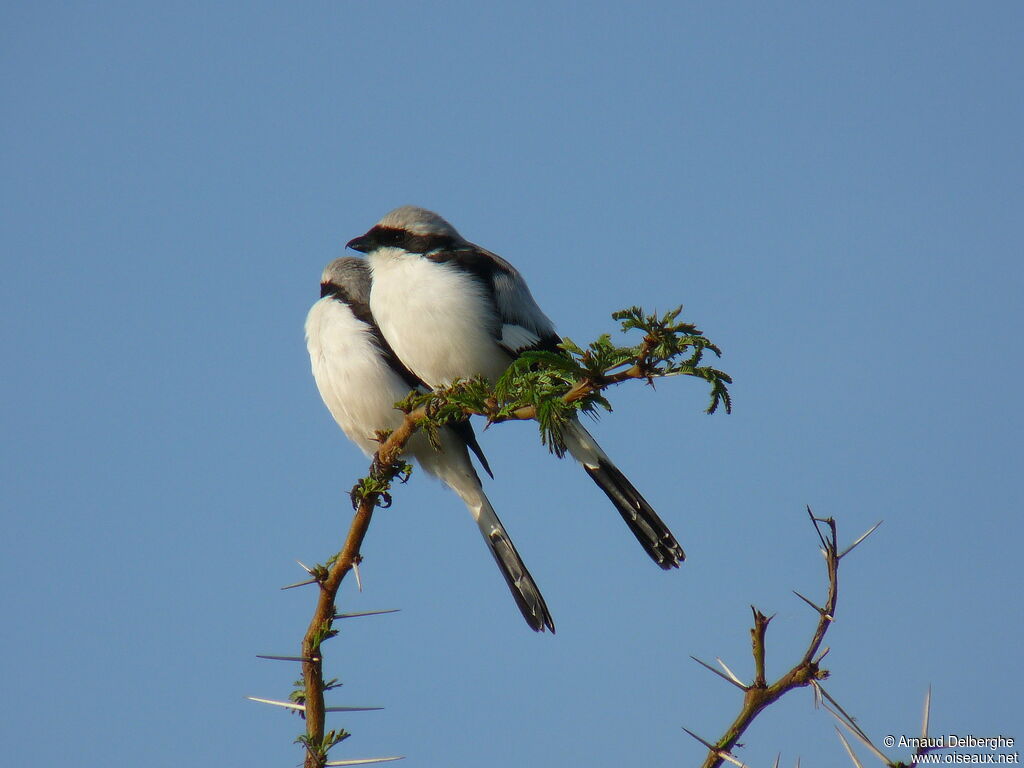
[(516, 305), (515, 338)]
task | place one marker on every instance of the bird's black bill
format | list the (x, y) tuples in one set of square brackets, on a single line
[(363, 244)]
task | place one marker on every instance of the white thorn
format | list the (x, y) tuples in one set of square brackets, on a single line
[(299, 584), (861, 538), (285, 704), (849, 749), (727, 756), (927, 713), (729, 680), (730, 673), (365, 613), (720, 753)]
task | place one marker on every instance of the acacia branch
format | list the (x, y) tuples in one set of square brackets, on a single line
[(807, 671)]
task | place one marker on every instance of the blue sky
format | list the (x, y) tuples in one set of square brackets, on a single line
[(833, 192)]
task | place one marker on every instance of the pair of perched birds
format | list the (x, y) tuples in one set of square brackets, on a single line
[(427, 307)]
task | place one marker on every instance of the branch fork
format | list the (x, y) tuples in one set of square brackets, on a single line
[(807, 671)]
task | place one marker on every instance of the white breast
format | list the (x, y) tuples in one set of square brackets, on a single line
[(357, 386), (438, 319)]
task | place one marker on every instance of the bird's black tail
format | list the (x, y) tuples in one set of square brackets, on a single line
[(649, 529), (643, 521), (452, 465), (520, 583)]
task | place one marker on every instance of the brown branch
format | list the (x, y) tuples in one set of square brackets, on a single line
[(385, 467), (760, 694)]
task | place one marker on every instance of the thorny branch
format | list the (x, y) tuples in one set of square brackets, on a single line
[(807, 671), (386, 466)]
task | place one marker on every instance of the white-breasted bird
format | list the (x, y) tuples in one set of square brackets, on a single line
[(360, 379), (451, 309)]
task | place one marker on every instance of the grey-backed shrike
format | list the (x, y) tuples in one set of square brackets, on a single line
[(360, 379), (451, 309)]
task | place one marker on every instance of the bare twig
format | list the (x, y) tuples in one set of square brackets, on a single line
[(760, 694), (757, 646)]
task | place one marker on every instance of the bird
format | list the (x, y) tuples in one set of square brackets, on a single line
[(451, 309), (360, 379)]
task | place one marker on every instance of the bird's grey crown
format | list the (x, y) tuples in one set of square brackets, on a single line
[(348, 277), (418, 221)]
